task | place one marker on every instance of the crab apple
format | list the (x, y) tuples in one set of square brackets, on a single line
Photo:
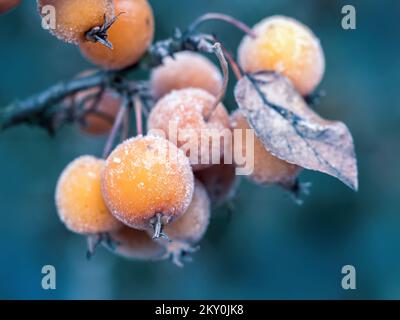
[(192, 225), (74, 18), (130, 35), (186, 70), (220, 181), (190, 228), (7, 5), (135, 244), (147, 183), (286, 46), (79, 199), (187, 118), (268, 169)]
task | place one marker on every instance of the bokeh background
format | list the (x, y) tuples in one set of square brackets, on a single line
[(269, 247)]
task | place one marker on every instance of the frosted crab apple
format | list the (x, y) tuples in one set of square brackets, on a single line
[(74, 18), (79, 199), (147, 183), (186, 70), (190, 228), (220, 181), (135, 244), (268, 169), (286, 46), (130, 36), (189, 118)]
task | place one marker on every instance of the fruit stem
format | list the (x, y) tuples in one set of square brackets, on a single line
[(234, 65), (297, 189), (100, 34), (158, 228), (95, 240), (179, 251), (217, 48), (314, 98), (222, 17), (94, 100), (126, 128), (116, 127), (138, 115), (102, 41)]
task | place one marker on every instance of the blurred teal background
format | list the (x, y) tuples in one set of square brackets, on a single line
[(269, 247)]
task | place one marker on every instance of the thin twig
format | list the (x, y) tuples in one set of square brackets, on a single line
[(21, 111), (96, 101), (42, 109), (116, 127), (83, 108), (234, 65), (225, 70), (126, 128), (223, 17), (81, 105), (138, 115)]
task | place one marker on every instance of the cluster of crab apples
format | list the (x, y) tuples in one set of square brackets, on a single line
[(151, 198)]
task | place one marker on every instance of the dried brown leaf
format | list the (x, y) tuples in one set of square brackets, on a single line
[(293, 132)]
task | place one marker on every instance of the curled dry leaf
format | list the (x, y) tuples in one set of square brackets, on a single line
[(291, 131)]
